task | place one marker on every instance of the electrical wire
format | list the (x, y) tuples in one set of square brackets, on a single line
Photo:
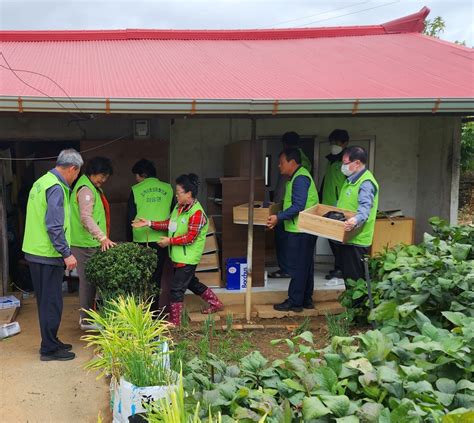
[(14, 71), (347, 14), (55, 157), (317, 14)]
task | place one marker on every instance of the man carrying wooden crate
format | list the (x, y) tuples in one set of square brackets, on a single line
[(360, 193), (300, 194), (331, 187)]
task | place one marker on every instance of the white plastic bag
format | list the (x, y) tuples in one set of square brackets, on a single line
[(9, 329)]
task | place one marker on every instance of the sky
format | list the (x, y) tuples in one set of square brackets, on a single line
[(228, 14)]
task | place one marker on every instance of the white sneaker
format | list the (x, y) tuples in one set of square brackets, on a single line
[(84, 325), (335, 282)]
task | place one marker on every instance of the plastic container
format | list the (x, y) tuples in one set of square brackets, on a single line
[(10, 301), (9, 329), (236, 273)]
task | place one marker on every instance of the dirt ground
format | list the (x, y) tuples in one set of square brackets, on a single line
[(63, 392), (56, 392)]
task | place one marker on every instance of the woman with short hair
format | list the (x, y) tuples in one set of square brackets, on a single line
[(90, 225)]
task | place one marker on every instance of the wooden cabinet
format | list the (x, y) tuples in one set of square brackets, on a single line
[(237, 159), (235, 191), (392, 231)]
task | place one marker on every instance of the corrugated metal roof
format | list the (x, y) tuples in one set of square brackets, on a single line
[(385, 62)]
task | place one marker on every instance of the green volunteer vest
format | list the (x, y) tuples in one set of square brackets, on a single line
[(333, 182), (153, 200), (305, 162), (188, 254), (349, 200), (80, 237), (36, 240), (312, 200)]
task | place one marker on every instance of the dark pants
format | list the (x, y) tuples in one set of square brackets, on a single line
[(280, 247), (300, 255), (351, 260), (162, 254), (47, 282), (184, 278), (336, 251)]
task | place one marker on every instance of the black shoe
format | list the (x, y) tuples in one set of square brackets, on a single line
[(59, 355), (309, 306), (62, 346), (286, 306), (333, 274)]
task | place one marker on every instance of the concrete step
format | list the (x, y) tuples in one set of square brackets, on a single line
[(259, 297)]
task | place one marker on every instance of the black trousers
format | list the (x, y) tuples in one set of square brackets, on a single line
[(280, 247), (351, 260), (47, 282), (300, 255), (184, 278), (336, 251), (162, 254)]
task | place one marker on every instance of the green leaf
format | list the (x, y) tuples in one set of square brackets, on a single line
[(370, 412), (292, 384), (402, 413), (454, 317), (443, 398), (462, 416), (413, 372), (348, 419), (419, 387), (326, 378), (306, 336), (313, 408), (334, 362), (384, 311), (405, 309), (465, 384), (460, 251), (361, 364), (387, 374), (447, 386), (338, 404)]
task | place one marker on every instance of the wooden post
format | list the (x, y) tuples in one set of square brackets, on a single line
[(248, 292), (3, 236)]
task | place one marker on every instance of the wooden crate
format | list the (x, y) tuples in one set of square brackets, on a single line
[(311, 221), (208, 262), (390, 232), (260, 213), (211, 244), (211, 279)]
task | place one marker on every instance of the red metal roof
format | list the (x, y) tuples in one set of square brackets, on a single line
[(388, 61)]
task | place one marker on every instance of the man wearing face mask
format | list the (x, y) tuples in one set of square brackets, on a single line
[(330, 189), (360, 193)]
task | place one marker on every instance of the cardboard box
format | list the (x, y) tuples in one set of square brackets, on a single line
[(311, 221), (390, 232), (260, 213)]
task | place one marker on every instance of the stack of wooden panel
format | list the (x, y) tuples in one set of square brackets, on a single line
[(208, 270)]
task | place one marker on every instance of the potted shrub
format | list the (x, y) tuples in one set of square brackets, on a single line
[(126, 269), (132, 346)]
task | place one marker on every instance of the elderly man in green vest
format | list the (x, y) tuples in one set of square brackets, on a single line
[(150, 199), (289, 140), (300, 194), (360, 193), (331, 189), (46, 245)]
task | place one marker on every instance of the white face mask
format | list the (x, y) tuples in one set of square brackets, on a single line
[(345, 169), (335, 149)]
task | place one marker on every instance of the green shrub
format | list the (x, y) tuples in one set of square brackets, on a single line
[(126, 269)]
